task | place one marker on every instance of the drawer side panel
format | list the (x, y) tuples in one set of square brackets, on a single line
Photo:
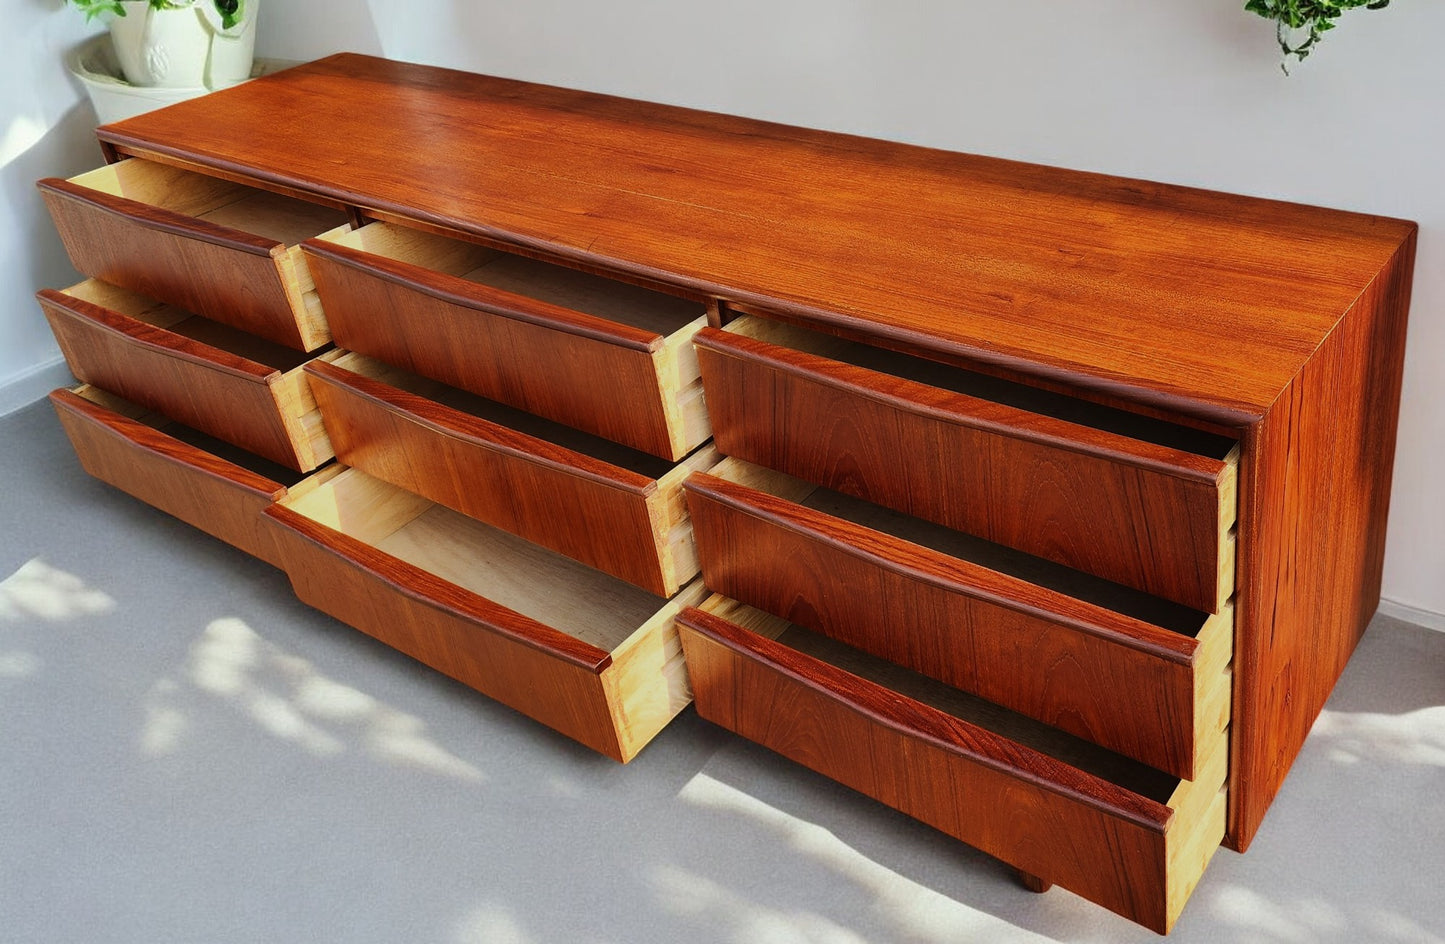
[(179, 260), (333, 575), (187, 381), (485, 471), (602, 388), (962, 624), (1141, 527), (926, 765), (204, 491)]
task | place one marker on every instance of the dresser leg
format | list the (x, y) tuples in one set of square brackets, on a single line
[(1032, 882)]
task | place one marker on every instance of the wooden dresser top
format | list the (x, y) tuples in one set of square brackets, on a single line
[(1192, 301)]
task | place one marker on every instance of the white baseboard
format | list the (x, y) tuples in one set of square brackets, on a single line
[(26, 387), (1413, 614)]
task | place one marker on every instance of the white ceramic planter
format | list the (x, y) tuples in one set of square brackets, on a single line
[(185, 47)]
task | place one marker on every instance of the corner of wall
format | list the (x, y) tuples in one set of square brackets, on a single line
[(25, 387)]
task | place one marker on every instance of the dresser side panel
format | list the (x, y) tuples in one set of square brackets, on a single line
[(1315, 495)]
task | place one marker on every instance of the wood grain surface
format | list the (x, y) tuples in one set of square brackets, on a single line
[(241, 278), (595, 512), (1147, 516), (227, 395), (1053, 820), (1316, 492), (218, 497), (1162, 300), (346, 548), (1156, 293), (611, 380), (1133, 687)]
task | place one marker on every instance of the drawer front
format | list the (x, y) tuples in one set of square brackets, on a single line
[(233, 398), (621, 522), (613, 700), (118, 225), (1130, 853), (1158, 696), (614, 381), (207, 492), (1150, 517)]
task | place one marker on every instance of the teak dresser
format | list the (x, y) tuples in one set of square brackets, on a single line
[(1044, 506)]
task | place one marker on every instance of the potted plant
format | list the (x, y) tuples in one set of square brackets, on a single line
[(1299, 24), (179, 43)]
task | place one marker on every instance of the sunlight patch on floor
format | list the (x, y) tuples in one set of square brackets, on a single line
[(491, 923), (40, 591), (1302, 922), (747, 922), (915, 911), (287, 698), (1412, 737), (18, 664), (1311, 920)]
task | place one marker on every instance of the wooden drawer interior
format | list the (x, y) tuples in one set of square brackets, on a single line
[(232, 384), (590, 297), (1129, 498), (146, 207), (599, 502), (592, 656), (1119, 833), (1137, 674), (619, 358)]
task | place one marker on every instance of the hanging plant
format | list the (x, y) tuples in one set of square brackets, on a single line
[(1299, 24)]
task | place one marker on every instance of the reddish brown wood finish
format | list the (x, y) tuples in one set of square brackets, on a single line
[(209, 493), (602, 377), (1036, 813), (1117, 681), (228, 396), (1154, 293), (534, 668), (232, 276), (1316, 492), (1151, 297), (1033, 883), (612, 701), (587, 509), (1135, 513)]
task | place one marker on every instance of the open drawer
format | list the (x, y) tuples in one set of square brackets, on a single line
[(598, 502), (584, 653), (1139, 675), (1133, 500), (235, 386), (222, 249), (618, 359), (1118, 833), (206, 483)]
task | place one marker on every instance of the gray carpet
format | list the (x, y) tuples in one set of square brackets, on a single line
[(187, 753)]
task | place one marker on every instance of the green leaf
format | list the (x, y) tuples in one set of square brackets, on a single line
[(1316, 16)]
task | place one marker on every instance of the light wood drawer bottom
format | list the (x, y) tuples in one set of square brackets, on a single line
[(586, 654), (1120, 834)]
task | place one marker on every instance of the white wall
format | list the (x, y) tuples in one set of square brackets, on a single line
[(45, 130), (1187, 91)]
